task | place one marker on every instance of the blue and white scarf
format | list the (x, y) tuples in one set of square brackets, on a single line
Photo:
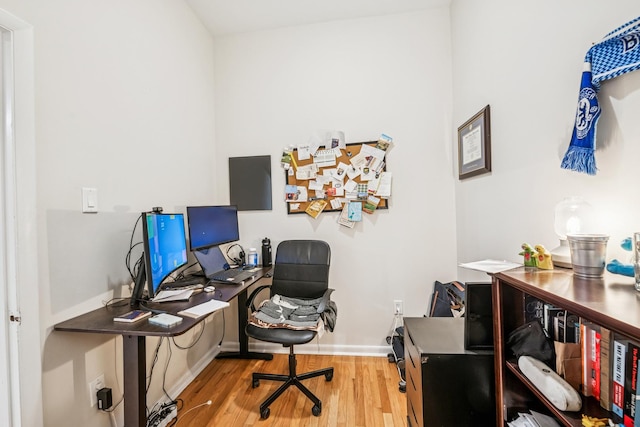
[(616, 54)]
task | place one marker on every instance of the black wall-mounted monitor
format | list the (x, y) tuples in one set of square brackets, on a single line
[(250, 183), (212, 226), (165, 250)]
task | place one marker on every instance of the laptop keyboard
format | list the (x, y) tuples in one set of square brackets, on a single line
[(233, 275)]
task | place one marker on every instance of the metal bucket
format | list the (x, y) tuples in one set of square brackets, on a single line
[(588, 254)]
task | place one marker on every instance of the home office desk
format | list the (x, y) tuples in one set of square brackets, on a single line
[(100, 321)]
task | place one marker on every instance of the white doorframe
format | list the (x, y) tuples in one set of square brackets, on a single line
[(9, 313), (20, 347)]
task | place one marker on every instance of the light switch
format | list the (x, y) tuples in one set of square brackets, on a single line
[(89, 200)]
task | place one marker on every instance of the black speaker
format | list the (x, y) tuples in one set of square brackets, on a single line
[(478, 328)]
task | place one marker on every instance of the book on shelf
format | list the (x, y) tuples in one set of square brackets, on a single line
[(564, 324), (533, 309), (132, 316), (594, 336), (617, 376), (606, 350), (586, 344), (630, 383), (636, 420), (559, 327), (550, 313), (572, 323)]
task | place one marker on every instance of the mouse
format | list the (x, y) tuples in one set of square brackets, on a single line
[(267, 275), (209, 288)]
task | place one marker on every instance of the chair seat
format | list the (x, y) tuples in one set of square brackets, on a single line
[(284, 336)]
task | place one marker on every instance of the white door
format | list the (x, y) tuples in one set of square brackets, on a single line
[(9, 314)]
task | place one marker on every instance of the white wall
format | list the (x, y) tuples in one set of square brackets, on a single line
[(525, 60), (365, 77), (124, 103)]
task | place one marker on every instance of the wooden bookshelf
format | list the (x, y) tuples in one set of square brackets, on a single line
[(611, 302)]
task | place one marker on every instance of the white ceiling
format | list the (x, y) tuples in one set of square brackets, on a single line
[(236, 16)]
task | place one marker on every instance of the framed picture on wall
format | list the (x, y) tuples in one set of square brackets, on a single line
[(474, 145)]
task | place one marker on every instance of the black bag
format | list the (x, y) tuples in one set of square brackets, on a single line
[(531, 340), (447, 297)]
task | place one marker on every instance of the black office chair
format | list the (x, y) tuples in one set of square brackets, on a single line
[(301, 270)]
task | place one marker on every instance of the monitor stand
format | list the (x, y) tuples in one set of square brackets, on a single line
[(138, 287)]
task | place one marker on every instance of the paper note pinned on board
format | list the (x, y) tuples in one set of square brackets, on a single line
[(384, 185), (355, 211)]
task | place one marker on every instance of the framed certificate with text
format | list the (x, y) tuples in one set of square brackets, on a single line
[(474, 145)]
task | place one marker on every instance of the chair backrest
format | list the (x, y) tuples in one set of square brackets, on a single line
[(301, 269)]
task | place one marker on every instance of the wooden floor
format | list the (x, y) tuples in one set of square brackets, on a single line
[(364, 392)]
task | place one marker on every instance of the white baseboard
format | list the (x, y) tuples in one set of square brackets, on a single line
[(314, 348)]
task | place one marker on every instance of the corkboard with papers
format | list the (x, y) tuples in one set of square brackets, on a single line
[(338, 179)]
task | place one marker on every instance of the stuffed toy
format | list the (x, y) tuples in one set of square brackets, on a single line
[(544, 258), (529, 255)]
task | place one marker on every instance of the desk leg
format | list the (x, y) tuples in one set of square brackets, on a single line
[(244, 352), (134, 367)]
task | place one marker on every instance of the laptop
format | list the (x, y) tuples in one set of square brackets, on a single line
[(216, 269)]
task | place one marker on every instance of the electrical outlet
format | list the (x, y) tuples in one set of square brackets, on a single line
[(397, 307), (94, 386)]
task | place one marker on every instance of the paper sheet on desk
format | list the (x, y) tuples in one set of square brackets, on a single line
[(204, 308), (173, 295), (490, 265)]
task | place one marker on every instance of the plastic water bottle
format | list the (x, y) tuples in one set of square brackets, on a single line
[(252, 258)]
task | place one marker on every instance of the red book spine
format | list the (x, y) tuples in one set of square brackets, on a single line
[(595, 363), (630, 383)]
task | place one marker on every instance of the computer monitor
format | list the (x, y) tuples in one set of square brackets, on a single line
[(211, 226), (165, 250)]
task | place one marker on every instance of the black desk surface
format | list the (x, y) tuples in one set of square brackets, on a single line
[(101, 320)]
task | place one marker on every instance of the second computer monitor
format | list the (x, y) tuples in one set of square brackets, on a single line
[(212, 226)]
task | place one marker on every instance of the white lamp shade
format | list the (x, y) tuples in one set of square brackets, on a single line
[(573, 215)]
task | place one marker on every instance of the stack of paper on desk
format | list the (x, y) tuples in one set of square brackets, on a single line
[(204, 308)]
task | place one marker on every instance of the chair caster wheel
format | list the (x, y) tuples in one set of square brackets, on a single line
[(328, 376), (391, 358), (255, 383), (264, 413), (316, 410), (402, 386)]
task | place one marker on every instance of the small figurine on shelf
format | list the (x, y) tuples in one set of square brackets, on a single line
[(544, 258), (529, 255)]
